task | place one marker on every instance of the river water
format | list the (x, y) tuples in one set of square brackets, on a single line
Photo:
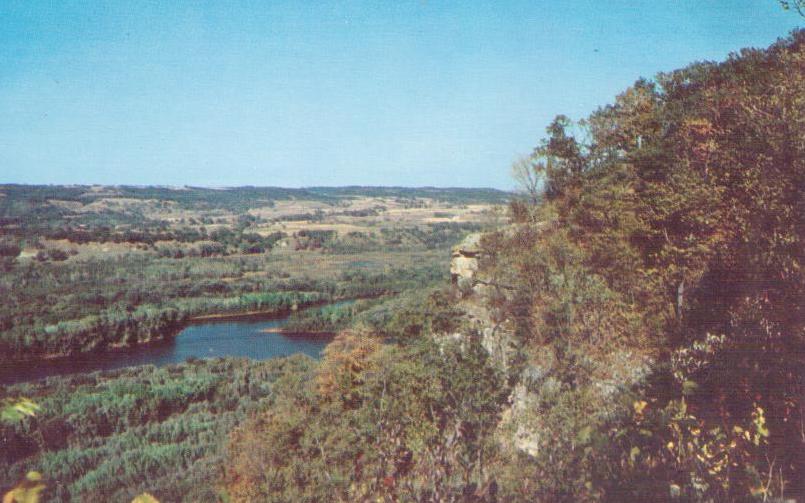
[(208, 339)]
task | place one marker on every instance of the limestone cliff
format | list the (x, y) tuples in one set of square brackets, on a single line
[(521, 427)]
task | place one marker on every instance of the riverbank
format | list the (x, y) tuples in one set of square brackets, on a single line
[(267, 315), (297, 333), (166, 334), (254, 335)]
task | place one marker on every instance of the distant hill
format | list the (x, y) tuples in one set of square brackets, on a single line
[(16, 200)]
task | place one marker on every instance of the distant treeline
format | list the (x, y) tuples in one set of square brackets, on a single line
[(431, 237), (21, 199), (172, 242), (223, 239)]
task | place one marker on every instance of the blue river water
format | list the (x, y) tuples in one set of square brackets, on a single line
[(208, 339)]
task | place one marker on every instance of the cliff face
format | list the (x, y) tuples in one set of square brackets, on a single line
[(473, 292), (497, 337), (522, 427)]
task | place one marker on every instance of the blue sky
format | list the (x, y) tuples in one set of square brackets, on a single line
[(302, 93)]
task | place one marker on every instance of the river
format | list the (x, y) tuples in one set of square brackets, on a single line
[(207, 339)]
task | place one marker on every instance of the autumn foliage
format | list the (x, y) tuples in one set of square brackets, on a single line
[(654, 290)]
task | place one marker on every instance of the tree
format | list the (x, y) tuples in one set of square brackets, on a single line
[(675, 230), (527, 177), (798, 5)]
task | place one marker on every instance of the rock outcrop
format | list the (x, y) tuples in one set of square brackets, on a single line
[(473, 290), (522, 427), (464, 262)]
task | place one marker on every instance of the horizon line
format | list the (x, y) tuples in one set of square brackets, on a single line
[(232, 187)]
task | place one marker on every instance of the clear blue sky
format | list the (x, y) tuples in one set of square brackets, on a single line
[(303, 93)]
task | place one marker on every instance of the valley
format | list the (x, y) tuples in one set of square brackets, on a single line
[(95, 268)]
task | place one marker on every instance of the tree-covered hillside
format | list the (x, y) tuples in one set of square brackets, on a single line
[(672, 227), (652, 289)]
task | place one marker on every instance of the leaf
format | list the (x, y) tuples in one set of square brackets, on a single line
[(674, 491), (26, 491), (689, 387), (639, 406), (634, 453), (14, 409), (584, 435), (145, 498)]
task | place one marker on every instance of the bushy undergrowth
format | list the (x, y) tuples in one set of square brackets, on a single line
[(110, 436)]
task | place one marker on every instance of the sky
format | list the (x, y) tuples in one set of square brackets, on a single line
[(303, 93)]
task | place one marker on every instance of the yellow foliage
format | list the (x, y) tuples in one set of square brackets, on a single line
[(709, 451), (345, 359), (27, 491), (639, 407), (14, 409), (145, 498)]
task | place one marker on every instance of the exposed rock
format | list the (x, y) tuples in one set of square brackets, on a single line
[(517, 429), (498, 341), (471, 246), (463, 267), (464, 263), (533, 375), (522, 426), (444, 340)]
